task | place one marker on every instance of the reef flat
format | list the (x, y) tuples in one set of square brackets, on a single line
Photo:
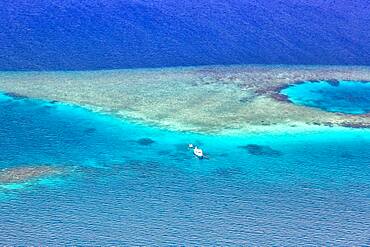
[(210, 99), (27, 173)]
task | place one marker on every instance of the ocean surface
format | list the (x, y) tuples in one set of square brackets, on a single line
[(131, 184), (102, 34)]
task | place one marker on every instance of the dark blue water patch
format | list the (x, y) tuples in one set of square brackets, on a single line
[(145, 141), (261, 150), (351, 97), (16, 96), (81, 35)]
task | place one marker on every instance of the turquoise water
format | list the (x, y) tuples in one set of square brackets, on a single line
[(131, 184), (336, 96)]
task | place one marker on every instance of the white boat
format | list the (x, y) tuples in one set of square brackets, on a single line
[(198, 152)]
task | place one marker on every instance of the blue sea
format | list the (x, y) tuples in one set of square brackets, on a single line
[(131, 184), (102, 34)]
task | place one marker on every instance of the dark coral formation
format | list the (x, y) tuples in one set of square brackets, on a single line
[(356, 125), (302, 82), (333, 82), (271, 89), (145, 141), (274, 92), (260, 150), (247, 99), (16, 96), (244, 100), (281, 97)]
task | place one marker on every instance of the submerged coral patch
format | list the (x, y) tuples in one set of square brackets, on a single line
[(334, 83), (16, 96), (26, 173), (260, 150), (145, 141)]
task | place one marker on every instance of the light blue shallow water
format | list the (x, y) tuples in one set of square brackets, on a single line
[(351, 97), (295, 189)]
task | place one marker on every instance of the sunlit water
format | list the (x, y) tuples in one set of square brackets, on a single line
[(283, 189), (337, 96)]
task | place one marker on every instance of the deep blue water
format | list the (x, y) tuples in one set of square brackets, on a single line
[(96, 34), (339, 96), (283, 189)]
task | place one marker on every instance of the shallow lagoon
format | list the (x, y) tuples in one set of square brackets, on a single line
[(351, 97), (281, 189)]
